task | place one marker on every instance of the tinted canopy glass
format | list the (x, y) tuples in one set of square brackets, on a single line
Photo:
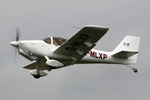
[(58, 41), (47, 40)]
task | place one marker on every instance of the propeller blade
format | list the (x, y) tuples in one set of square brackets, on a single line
[(17, 38), (18, 32)]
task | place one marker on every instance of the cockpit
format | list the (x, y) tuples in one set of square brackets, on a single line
[(54, 40)]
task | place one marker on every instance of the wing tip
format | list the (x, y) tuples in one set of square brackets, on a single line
[(97, 26)]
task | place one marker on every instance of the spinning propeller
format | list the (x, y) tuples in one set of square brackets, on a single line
[(16, 42)]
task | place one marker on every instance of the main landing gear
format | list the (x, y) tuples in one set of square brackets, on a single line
[(37, 73)]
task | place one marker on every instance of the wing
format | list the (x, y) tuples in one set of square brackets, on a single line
[(81, 43), (43, 66), (32, 66)]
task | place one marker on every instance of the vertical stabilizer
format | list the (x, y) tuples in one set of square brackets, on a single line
[(127, 49), (129, 43)]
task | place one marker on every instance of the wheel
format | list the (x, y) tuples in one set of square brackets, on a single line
[(135, 70), (36, 76)]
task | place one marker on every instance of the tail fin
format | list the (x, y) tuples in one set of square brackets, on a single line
[(128, 48)]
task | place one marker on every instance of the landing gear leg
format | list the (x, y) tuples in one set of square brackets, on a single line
[(134, 69), (37, 70)]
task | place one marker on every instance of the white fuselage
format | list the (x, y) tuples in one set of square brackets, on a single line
[(38, 48)]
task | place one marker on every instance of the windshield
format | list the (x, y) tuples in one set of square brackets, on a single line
[(47, 40)]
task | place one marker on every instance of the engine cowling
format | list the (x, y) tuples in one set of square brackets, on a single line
[(27, 55)]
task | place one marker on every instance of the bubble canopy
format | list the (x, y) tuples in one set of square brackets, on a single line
[(54, 40)]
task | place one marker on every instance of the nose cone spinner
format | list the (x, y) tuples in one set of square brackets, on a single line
[(14, 43)]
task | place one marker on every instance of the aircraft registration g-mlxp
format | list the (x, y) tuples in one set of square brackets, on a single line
[(54, 52)]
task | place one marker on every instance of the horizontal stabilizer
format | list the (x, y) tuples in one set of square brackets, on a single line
[(124, 54)]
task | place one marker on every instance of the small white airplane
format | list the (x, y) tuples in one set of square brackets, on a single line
[(54, 52)]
